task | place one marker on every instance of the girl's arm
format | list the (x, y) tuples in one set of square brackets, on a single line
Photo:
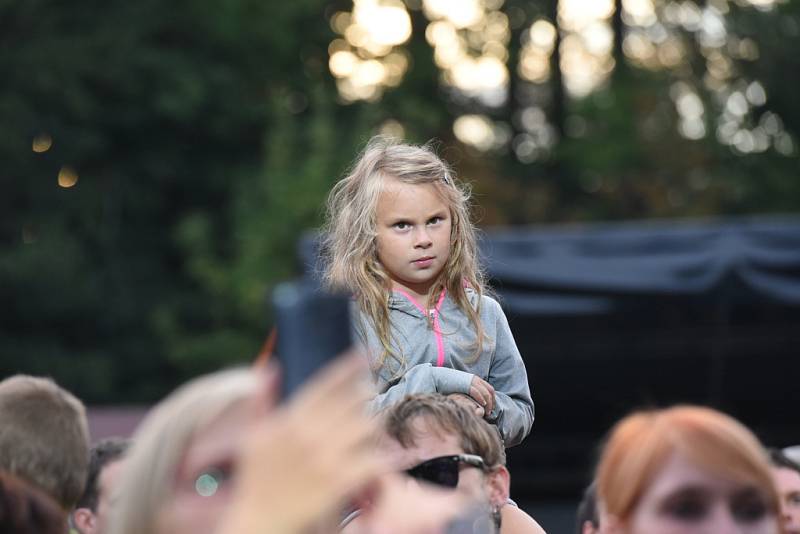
[(513, 411), (422, 378)]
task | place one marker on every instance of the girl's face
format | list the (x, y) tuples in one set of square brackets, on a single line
[(203, 483), (686, 498), (413, 226)]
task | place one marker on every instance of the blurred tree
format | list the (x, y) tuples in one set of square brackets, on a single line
[(608, 108), (131, 133), (162, 159)]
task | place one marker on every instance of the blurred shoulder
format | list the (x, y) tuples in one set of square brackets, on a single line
[(516, 521)]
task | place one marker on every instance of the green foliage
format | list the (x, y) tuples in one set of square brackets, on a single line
[(121, 285), (206, 134)]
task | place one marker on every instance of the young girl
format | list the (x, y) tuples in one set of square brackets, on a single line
[(400, 240)]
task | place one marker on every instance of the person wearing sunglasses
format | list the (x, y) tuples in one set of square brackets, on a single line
[(440, 444)]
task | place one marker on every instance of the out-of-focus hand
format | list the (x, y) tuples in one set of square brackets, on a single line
[(400, 505), (302, 460), (483, 393), (468, 402)]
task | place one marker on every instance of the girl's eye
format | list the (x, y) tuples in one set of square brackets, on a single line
[(402, 225), (435, 220), (793, 499), (748, 506)]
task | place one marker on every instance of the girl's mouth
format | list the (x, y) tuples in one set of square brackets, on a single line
[(423, 262)]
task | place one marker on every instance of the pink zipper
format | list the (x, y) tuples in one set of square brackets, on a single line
[(434, 313)]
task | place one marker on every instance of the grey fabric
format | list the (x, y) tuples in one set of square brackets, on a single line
[(500, 362)]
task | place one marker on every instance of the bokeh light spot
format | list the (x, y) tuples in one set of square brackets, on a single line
[(67, 177), (42, 143)]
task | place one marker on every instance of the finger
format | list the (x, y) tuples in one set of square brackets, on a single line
[(342, 476), (267, 393), (362, 470), (341, 424), (489, 395), (339, 427), (481, 393), (344, 377), (351, 437), (475, 395), (492, 397), (335, 411)]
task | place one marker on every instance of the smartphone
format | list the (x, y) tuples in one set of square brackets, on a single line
[(313, 327)]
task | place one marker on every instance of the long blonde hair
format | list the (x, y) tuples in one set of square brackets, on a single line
[(349, 248), (163, 438)]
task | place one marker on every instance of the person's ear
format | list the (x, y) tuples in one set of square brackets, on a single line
[(84, 520), (498, 486)]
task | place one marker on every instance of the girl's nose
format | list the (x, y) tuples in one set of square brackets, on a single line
[(423, 239)]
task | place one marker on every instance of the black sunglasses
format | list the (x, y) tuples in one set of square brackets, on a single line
[(443, 471)]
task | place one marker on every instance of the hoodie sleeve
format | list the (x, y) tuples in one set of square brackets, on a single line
[(513, 410), (422, 378)]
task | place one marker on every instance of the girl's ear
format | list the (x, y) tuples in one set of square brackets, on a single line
[(498, 486)]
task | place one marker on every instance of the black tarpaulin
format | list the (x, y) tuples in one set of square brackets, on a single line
[(582, 269)]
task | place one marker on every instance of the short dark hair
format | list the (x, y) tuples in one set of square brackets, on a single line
[(24, 509), (779, 459), (44, 436), (587, 509), (103, 453)]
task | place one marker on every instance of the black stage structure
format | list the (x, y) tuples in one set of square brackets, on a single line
[(611, 317)]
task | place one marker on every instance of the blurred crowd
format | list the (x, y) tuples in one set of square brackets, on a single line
[(222, 455)]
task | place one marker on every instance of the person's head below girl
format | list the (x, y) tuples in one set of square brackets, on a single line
[(399, 221), (682, 470)]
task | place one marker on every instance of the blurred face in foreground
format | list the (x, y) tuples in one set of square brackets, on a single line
[(788, 482), (685, 498), (203, 483)]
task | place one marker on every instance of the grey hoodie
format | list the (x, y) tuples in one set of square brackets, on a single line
[(446, 363)]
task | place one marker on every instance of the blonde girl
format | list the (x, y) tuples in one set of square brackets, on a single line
[(400, 240)]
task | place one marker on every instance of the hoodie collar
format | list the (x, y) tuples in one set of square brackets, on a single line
[(402, 301)]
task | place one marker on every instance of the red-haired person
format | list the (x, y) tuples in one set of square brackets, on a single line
[(685, 470)]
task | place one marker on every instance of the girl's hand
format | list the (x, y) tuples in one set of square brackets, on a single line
[(468, 402), (483, 393)]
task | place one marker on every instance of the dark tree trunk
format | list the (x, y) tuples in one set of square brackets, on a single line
[(558, 108)]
